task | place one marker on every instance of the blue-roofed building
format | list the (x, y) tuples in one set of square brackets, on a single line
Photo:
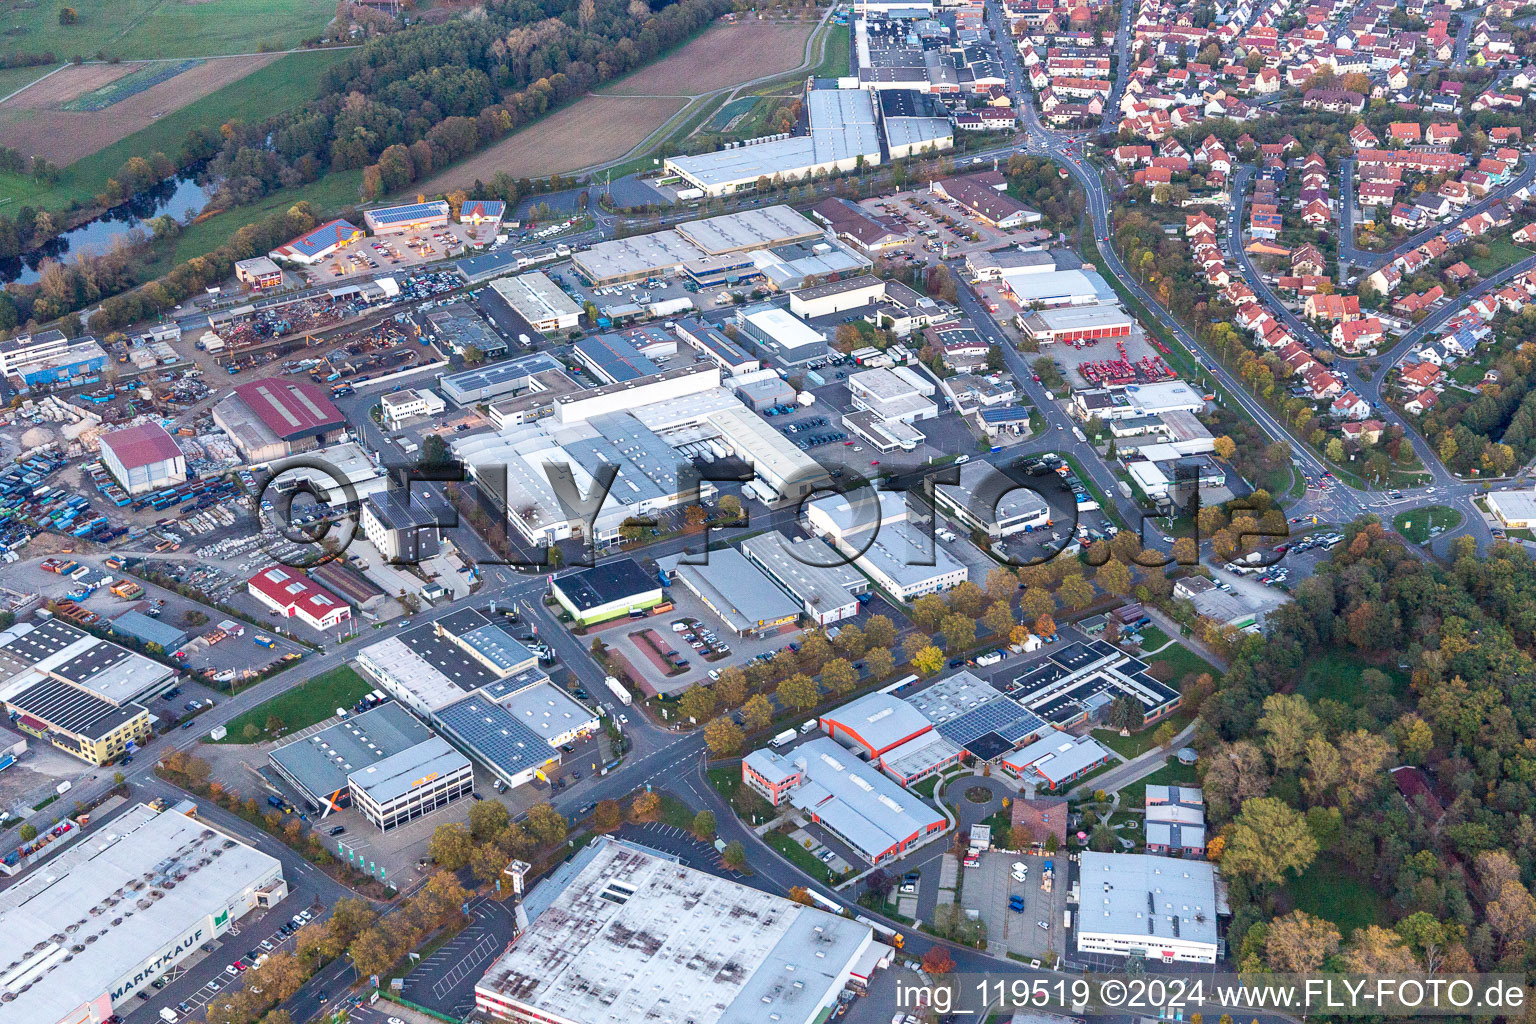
[(149, 630), (397, 220), (497, 739), (318, 244), (614, 358), (482, 212)]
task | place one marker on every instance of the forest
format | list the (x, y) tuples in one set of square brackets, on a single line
[(1492, 430), (1384, 662)]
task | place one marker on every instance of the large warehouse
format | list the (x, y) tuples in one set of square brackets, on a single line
[(844, 135), (746, 600), (316, 245), (706, 241), (270, 418), (122, 909), (143, 458), (1138, 904), (1076, 323), (320, 765), (622, 934), (540, 301)]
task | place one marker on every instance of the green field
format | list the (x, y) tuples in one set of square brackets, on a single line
[(1416, 525), (1172, 773), (281, 85), (302, 706), (1138, 743), (799, 856), (1181, 662), (1332, 891), (12, 79), (1503, 253), (147, 29)]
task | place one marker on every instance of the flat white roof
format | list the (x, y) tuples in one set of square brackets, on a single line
[(1146, 897), (171, 871), (785, 328), (535, 297), (623, 934)]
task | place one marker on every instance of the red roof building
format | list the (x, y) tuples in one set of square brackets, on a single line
[(143, 458), (292, 594)]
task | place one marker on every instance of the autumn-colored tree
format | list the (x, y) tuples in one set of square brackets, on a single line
[(929, 661), (644, 806), (757, 712), (1001, 584), (839, 676), (607, 815), (912, 643), (731, 688), (937, 961), (1299, 943), (1075, 592), (851, 642), (1267, 840), (1224, 447), (801, 895), (450, 846), (1114, 576), (547, 824), (959, 631), (1045, 626), (698, 703), (799, 692), (879, 631), (1037, 601), (879, 662), (724, 737), (928, 612), (372, 952), (999, 617), (486, 819)]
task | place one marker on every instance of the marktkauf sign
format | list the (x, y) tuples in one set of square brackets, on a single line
[(161, 963)]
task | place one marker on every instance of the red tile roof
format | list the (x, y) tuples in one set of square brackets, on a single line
[(143, 445)]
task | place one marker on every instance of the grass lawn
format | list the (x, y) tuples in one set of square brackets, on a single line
[(799, 856), (1416, 525), (12, 79), (1172, 773), (1180, 662), (1331, 890), (140, 29), (1138, 743), (281, 85), (926, 787), (1154, 638), (302, 706), (1336, 675), (1503, 253)]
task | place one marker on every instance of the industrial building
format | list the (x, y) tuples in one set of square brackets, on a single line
[(411, 784), (511, 468), (706, 243), (810, 571), (48, 357), (316, 245), (259, 273), (1055, 289), (874, 530), (84, 695), (320, 766), (530, 374), (120, 910), (149, 630), (714, 344), (625, 395), (540, 301), (1515, 510), (781, 333), (621, 356), (400, 220), (270, 418), (991, 206), (613, 588), (1077, 323), (143, 458), (901, 394), (400, 526), (844, 135), (1134, 904), (398, 407), (991, 265), (460, 327), (991, 502), (850, 798), (836, 296), (482, 689), (293, 595), (622, 933), (746, 600), (968, 712)]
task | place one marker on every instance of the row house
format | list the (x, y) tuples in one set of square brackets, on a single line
[(1333, 307), (1419, 302)]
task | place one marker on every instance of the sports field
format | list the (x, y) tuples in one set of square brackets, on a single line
[(589, 131), (80, 110), (158, 29), (278, 83), (722, 56)]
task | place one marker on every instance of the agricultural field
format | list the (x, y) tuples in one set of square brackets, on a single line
[(589, 131), (162, 29), (268, 84), (722, 56), (747, 118), (70, 116), (12, 79)]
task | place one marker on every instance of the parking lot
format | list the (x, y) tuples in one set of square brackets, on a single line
[(939, 221), (385, 253), (656, 289), (687, 608), (1038, 927), (445, 981), (680, 843)]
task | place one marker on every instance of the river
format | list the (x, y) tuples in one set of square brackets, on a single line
[(176, 196)]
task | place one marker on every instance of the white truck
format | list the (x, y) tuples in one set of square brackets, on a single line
[(618, 690), (782, 738)]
